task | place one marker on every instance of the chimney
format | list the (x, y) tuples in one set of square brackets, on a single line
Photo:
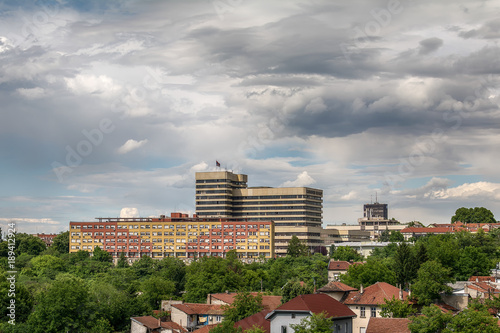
[(400, 294), (159, 322), (361, 289)]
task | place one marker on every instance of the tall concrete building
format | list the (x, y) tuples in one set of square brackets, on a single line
[(294, 210)]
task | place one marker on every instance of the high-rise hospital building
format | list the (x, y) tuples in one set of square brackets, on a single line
[(294, 210)]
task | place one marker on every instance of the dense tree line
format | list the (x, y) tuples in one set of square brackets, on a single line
[(58, 291), (427, 264)]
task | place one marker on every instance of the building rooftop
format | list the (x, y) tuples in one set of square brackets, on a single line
[(333, 286), (385, 325), (374, 294), (269, 302), (315, 303), (196, 308)]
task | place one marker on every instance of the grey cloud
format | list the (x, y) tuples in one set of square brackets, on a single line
[(430, 45), (490, 30)]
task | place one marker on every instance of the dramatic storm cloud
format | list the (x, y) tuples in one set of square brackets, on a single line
[(109, 108)]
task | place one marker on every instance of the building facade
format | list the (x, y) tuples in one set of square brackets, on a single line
[(294, 210), (176, 236)]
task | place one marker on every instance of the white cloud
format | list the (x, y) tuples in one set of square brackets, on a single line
[(470, 190), (131, 145), (302, 180), (21, 220), (83, 84), (129, 212)]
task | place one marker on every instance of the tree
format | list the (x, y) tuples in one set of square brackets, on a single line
[(374, 270), (244, 305), (47, 266), (294, 288), (473, 262), (405, 265), (296, 248), (122, 261), (431, 281), (61, 242), (396, 236), (317, 323), (101, 255), (475, 318), (433, 320), (157, 289), (62, 307), (396, 308), (209, 275), (29, 244), (346, 253), (473, 215)]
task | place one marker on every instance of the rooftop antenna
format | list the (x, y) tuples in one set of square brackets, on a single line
[(371, 198)]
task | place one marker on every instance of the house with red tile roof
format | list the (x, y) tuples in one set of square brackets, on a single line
[(338, 267), (388, 325), (367, 302), (269, 302), (257, 320), (150, 324), (337, 290), (304, 306), (194, 315), (448, 228), (205, 329)]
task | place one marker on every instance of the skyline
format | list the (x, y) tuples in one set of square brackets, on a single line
[(110, 108)]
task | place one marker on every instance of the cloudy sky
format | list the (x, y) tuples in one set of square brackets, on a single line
[(109, 108)]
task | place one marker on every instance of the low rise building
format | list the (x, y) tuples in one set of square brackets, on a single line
[(150, 324), (367, 302), (269, 302), (338, 267), (192, 316), (176, 236), (303, 306), (336, 290)]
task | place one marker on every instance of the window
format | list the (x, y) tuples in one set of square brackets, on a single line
[(283, 329), (293, 315), (374, 312), (362, 312)]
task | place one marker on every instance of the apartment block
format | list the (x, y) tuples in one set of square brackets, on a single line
[(294, 210), (178, 236)]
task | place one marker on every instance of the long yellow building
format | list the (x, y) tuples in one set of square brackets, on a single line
[(176, 236)]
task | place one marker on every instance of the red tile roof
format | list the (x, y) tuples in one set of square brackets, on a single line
[(205, 329), (316, 303), (258, 319), (374, 294), (482, 279), (173, 326), (333, 286), (154, 323), (335, 265), (195, 308), (388, 325), (338, 265), (269, 302)]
